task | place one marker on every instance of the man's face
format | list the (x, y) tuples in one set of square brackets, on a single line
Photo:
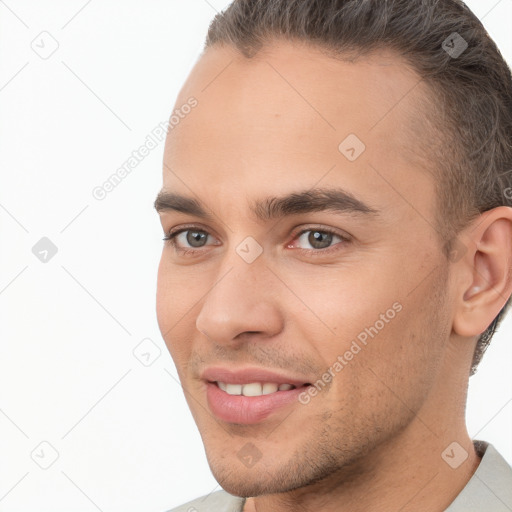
[(355, 297)]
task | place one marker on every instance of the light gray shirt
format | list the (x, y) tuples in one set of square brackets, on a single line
[(488, 490)]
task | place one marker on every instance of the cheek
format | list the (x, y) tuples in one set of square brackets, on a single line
[(172, 293), (169, 303), (163, 306), (342, 304), (392, 363), (363, 321), (175, 299)]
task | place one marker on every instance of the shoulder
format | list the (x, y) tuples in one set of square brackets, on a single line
[(490, 487), (219, 501)]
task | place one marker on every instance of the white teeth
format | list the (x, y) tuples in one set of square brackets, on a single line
[(269, 388), (233, 389), (254, 388)]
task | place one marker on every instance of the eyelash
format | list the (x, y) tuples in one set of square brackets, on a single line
[(170, 238)]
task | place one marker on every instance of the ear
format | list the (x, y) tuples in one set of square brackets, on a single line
[(484, 272)]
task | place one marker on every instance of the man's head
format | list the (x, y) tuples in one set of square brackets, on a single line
[(345, 175)]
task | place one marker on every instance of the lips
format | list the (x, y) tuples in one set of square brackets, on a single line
[(242, 408), (250, 375)]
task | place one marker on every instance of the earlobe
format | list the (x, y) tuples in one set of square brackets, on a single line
[(488, 268)]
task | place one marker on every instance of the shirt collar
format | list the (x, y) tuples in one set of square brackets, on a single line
[(490, 487)]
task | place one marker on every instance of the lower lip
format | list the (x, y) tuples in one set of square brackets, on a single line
[(248, 409)]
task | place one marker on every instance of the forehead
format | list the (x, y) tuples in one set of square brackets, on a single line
[(283, 114), (306, 84)]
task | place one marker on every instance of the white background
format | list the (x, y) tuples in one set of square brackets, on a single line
[(123, 432)]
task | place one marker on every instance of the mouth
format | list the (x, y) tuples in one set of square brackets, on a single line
[(251, 395), (255, 388)]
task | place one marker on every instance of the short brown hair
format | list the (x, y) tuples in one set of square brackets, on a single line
[(469, 108)]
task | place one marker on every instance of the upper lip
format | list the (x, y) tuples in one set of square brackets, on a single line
[(249, 375)]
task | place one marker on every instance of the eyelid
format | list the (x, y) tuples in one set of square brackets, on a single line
[(322, 228), (186, 227)]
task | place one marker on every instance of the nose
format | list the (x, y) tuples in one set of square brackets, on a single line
[(241, 301)]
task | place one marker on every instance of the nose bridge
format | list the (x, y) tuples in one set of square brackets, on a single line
[(239, 300)]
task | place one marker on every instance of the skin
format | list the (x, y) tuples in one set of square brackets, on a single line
[(373, 438)]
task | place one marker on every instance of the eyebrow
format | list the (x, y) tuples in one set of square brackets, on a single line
[(307, 201)]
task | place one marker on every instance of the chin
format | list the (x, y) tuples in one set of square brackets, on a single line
[(251, 483), (260, 480)]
